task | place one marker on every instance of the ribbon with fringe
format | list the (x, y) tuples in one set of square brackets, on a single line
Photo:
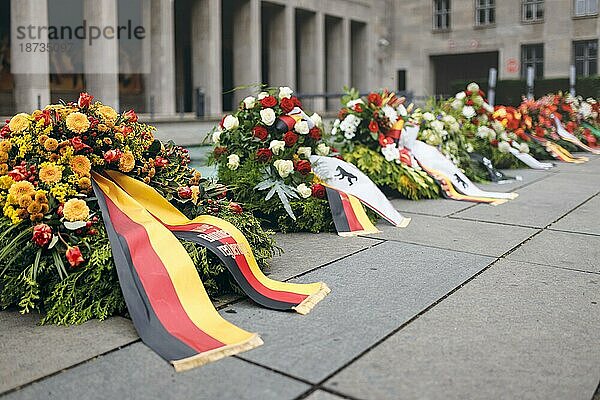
[(165, 297), (349, 216), (569, 137), (559, 152)]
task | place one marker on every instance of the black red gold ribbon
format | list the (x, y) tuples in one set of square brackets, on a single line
[(349, 216), (164, 294)]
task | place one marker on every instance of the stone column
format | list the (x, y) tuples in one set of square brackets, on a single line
[(246, 48), (282, 60), (30, 69), (206, 53), (337, 37), (101, 59), (311, 53), (160, 85)]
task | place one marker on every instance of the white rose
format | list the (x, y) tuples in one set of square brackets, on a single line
[(504, 147), (457, 104), (216, 136), (249, 102), (262, 95), (233, 161), (437, 126), (488, 107), (230, 122), (301, 127), (428, 116), (276, 146), (460, 95), (352, 103), (323, 149), (267, 116), (468, 112), (473, 87), (285, 92), (304, 151), (524, 148), (316, 118), (391, 152), (284, 167), (304, 191), (478, 100), (402, 110)]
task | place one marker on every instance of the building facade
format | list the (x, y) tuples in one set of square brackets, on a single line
[(207, 46), (437, 41)]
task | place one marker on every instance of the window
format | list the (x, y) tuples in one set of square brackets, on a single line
[(532, 55), (584, 8), (585, 56), (533, 10), (401, 80), (441, 14), (485, 12)]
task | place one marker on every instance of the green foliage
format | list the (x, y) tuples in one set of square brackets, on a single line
[(409, 182)]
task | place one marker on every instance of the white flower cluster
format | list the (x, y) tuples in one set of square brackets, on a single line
[(349, 125), (391, 153)]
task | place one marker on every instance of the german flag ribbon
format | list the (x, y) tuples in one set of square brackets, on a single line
[(164, 294), (569, 137), (559, 152), (349, 216)]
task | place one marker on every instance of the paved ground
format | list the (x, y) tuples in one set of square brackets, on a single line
[(469, 301)]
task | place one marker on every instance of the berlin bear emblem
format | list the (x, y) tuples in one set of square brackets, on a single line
[(461, 181), (342, 174)]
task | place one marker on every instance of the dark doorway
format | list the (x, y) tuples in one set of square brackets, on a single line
[(183, 56), (461, 67), (227, 10)]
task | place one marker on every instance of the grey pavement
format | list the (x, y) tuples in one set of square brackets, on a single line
[(469, 301)]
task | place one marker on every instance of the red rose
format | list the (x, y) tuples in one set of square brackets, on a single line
[(78, 144), (468, 92), (318, 191), (219, 151), (184, 192), (297, 102), (469, 102), (236, 208), (374, 98), (384, 140), (342, 113), (131, 116), (112, 155), (539, 131), (42, 235), (358, 108), (269, 101), (264, 155), (290, 138), (303, 166), (314, 133), (260, 132), (84, 100), (74, 256), (373, 127), (494, 142), (287, 105)]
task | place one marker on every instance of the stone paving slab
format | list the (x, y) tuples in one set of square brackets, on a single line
[(585, 219), (562, 249), (138, 373), (373, 293), (540, 203), (29, 352), (436, 207), (306, 251), (517, 331), (457, 234), (590, 167)]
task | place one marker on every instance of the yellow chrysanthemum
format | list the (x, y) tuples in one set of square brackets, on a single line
[(84, 183), (3, 157), (127, 162), (20, 189), (5, 146), (19, 123), (77, 122), (76, 210), (51, 144), (50, 173), (6, 182), (107, 113), (3, 169), (81, 165), (42, 139)]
